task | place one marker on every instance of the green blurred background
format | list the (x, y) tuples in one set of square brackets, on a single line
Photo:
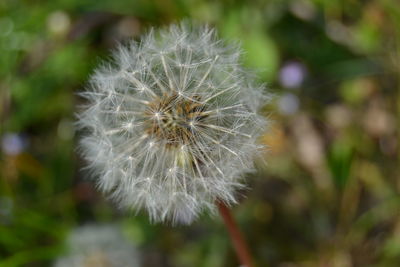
[(329, 194)]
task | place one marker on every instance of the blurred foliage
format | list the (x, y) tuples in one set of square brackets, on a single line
[(329, 195)]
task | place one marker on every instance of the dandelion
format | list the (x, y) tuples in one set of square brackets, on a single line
[(172, 123), (98, 246)]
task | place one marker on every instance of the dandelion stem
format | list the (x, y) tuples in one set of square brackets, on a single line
[(239, 243)]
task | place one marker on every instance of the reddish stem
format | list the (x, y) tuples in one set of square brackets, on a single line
[(239, 243)]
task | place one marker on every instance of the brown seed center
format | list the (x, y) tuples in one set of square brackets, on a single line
[(173, 118)]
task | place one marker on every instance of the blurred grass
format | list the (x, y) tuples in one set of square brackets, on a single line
[(329, 195)]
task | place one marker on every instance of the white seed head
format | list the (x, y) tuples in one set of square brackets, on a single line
[(172, 123), (98, 246)]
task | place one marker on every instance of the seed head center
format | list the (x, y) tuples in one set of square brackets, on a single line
[(172, 118)]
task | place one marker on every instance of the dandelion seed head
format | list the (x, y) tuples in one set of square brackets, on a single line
[(171, 125), (98, 245)]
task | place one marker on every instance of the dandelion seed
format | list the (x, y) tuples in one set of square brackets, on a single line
[(193, 126)]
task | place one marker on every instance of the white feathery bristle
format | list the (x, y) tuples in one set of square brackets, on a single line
[(172, 123)]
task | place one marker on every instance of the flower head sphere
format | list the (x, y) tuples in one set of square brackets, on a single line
[(172, 123)]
